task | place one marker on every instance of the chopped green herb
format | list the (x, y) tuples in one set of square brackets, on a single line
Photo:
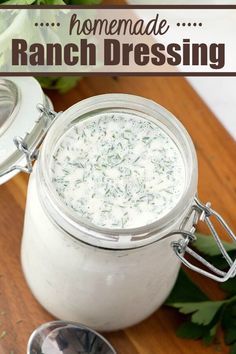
[(120, 159)]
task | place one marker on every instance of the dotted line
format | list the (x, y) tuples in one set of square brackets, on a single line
[(189, 24), (47, 24)]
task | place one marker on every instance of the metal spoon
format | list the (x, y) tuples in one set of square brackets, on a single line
[(61, 337)]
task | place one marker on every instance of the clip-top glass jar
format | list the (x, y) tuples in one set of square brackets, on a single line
[(99, 272)]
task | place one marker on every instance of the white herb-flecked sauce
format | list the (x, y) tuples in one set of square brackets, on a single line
[(118, 170)]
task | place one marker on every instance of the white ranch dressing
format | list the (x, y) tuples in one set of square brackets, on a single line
[(66, 261), (118, 170)]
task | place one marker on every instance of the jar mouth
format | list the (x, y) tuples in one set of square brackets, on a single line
[(115, 237)]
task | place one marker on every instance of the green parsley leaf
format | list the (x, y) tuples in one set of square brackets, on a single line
[(83, 2), (229, 322), (52, 2), (209, 337), (229, 286), (62, 84), (191, 330), (230, 335), (233, 349), (207, 245), (185, 291), (202, 312)]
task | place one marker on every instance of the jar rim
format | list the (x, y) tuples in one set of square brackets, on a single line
[(106, 237)]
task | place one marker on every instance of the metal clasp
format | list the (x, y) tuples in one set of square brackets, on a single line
[(29, 155), (204, 212), (22, 146)]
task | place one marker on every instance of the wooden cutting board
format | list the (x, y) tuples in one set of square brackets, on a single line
[(20, 313)]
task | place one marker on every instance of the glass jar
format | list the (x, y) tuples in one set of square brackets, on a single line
[(109, 279)]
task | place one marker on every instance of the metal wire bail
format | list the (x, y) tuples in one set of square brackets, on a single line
[(29, 155), (203, 212), (21, 143), (49, 114)]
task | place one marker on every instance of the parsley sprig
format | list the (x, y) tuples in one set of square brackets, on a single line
[(205, 317)]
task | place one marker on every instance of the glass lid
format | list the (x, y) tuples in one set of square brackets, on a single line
[(19, 117), (8, 103)]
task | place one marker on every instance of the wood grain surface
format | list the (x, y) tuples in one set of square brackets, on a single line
[(20, 314)]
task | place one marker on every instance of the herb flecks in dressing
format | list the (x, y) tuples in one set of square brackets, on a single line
[(118, 170)]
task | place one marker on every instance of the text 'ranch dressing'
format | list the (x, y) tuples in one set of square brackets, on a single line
[(118, 170)]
